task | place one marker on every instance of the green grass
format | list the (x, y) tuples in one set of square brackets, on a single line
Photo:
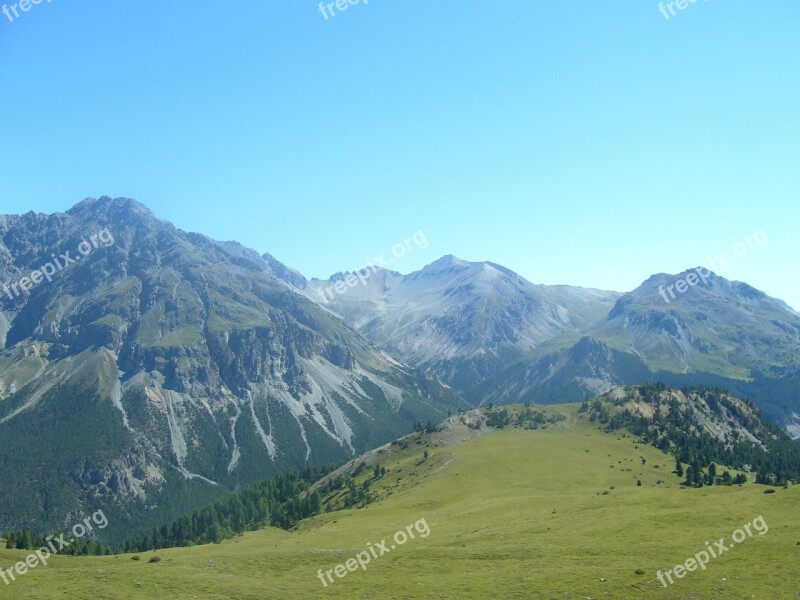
[(512, 514)]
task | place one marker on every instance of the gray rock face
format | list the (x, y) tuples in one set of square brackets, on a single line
[(496, 337), (463, 321), (206, 369)]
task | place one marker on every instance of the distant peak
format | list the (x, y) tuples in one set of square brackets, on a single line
[(284, 273), (448, 259), (447, 262), (700, 272), (106, 203)]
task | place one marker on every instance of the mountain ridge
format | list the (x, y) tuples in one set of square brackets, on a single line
[(206, 364), (208, 370)]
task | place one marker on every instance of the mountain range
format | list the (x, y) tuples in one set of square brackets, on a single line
[(165, 369), (159, 369), (497, 338)]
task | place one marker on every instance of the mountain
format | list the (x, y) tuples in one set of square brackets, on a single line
[(716, 332), (558, 373), (717, 326), (149, 370), (460, 321), (163, 369), (497, 338)]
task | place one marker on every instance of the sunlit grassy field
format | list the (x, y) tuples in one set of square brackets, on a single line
[(512, 513)]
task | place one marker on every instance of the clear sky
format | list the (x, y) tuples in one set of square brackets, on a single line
[(589, 143)]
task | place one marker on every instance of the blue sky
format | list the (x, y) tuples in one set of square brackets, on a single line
[(590, 143)]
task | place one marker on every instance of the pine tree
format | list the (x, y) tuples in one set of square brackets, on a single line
[(697, 474), (689, 481), (712, 474), (23, 540), (316, 503), (215, 533)]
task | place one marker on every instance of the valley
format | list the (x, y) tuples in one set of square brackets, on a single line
[(554, 512)]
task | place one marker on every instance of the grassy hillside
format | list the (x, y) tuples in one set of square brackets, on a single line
[(512, 513)]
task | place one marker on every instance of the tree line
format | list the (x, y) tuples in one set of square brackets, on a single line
[(279, 502), (674, 430)]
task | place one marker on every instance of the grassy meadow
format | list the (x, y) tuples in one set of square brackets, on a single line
[(553, 513)]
